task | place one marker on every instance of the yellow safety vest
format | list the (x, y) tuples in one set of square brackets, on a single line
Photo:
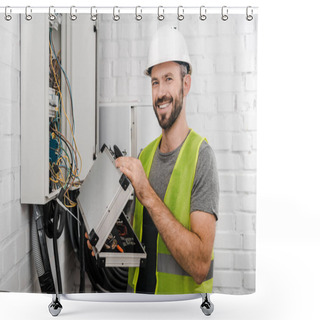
[(170, 277)]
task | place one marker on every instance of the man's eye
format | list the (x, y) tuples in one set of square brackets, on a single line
[(154, 83), (169, 79)]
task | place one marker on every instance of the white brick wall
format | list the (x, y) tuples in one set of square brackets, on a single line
[(17, 271), (15, 250), (221, 106)]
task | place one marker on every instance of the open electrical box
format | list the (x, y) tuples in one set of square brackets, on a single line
[(64, 124), (103, 196), (53, 106)]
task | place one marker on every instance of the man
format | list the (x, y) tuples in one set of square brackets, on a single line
[(175, 183)]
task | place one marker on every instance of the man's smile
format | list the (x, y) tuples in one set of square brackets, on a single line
[(163, 106)]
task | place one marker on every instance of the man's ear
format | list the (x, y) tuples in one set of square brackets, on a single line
[(186, 84)]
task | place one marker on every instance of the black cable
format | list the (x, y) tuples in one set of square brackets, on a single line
[(117, 283), (102, 279), (48, 219), (112, 288), (89, 262), (82, 259), (49, 213), (97, 274), (77, 245), (61, 220), (74, 241), (71, 235), (93, 283), (123, 270), (100, 289), (93, 272), (120, 275), (55, 248)]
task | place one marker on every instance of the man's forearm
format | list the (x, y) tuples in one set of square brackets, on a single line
[(186, 246), (192, 249)]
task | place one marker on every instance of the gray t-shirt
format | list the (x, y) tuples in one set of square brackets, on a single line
[(205, 190), (204, 197)]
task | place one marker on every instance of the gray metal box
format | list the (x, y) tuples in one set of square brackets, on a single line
[(103, 196)]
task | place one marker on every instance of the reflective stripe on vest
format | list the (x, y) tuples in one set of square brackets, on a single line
[(167, 264), (171, 278)]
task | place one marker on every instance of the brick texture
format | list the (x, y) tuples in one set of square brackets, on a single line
[(17, 271), (221, 105)]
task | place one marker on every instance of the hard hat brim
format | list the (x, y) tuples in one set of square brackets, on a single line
[(147, 71)]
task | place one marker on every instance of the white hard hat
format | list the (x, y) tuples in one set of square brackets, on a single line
[(168, 44)]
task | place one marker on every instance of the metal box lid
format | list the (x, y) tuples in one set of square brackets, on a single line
[(103, 196)]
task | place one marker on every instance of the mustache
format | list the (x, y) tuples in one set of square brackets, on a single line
[(162, 100)]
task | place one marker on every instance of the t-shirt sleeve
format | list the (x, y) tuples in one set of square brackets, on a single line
[(205, 190)]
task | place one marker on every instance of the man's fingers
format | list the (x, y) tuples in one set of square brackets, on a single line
[(131, 167), (118, 162), (127, 172), (125, 162), (122, 161)]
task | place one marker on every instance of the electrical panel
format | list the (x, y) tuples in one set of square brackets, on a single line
[(58, 121)]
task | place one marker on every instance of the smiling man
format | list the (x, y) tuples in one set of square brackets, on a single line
[(175, 182), (167, 92)]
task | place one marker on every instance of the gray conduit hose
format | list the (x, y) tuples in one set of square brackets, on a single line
[(40, 252), (35, 244)]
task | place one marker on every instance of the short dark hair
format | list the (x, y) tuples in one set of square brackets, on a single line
[(184, 68)]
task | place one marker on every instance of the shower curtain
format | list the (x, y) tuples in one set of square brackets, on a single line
[(93, 91)]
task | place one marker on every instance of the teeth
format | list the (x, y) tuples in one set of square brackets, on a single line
[(163, 106)]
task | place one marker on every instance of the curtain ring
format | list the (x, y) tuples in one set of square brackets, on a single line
[(249, 16), (116, 17), (224, 13), (73, 16), (28, 15), (203, 13), (93, 15), (52, 17), (7, 16), (160, 16), (180, 13), (138, 16)]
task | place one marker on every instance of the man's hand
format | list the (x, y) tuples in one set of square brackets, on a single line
[(133, 169), (192, 249)]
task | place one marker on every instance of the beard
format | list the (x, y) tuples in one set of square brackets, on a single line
[(176, 110)]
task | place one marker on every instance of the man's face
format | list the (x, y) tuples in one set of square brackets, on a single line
[(167, 93)]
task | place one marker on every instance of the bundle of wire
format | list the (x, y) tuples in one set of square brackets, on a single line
[(64, 160), (103, 279), (65, 170)]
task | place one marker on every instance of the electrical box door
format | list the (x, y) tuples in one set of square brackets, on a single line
[(102, 199)]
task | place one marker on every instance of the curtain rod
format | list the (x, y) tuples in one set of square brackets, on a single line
[(128, 10)]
